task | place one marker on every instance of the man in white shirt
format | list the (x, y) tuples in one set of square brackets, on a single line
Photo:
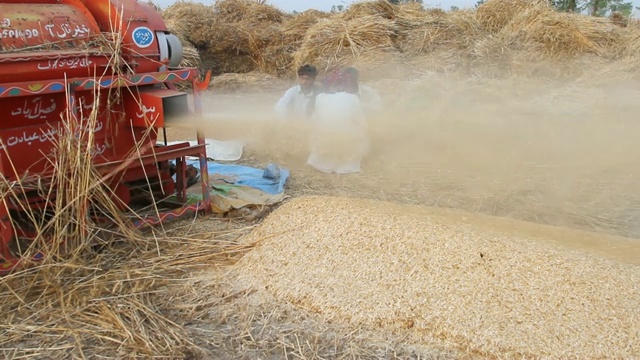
[(339, 139), (369, 98), (298, 102)]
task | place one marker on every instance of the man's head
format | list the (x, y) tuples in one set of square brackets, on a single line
[(341, 80), (352, 79), (307, 76), (334, 81)]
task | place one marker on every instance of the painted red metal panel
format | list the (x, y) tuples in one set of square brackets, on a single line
[(38, 66), (46, 41), (138, 23), (147, 108), (145, 112), (47, 48), (62, 25)]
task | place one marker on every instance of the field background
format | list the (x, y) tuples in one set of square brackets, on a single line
[(512, 109)]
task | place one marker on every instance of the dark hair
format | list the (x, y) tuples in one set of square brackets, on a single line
[(307, 70)]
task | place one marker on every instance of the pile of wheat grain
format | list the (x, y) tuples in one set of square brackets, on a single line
[(446, 278)]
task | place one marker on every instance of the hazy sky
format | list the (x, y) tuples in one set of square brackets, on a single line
[(325, 5)]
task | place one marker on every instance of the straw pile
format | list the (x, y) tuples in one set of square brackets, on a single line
[(568, 35), (528, 35), (445, 278), (98, 292), (619, 19), (231, 36), (340, 42), (247, 10), (241, 31), (190, 22), (241, 36), (295, 28), (430, 31), (77, 302), (128, 300), (494, 15), (381, 8)]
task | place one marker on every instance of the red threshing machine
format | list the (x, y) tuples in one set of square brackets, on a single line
[(52, 61)]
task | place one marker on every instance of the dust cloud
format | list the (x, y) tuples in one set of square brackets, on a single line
[(555, 152)]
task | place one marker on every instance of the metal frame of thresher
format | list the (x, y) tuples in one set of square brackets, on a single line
[(177, 151)]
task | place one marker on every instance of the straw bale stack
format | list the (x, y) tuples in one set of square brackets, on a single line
[(619, 20), (522, 21), (494, 15), (293, 30), (632, 44), (472, 283), (433, 30), (247, 10), (233, 36), (562, 35), (191, 56), (362, 9), (501, 55), (409, 16), (190, 22), (333, 42)]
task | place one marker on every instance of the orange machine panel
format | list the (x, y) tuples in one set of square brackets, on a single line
[(48, 41)]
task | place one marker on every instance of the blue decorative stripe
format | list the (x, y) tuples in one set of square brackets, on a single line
[(22, 89)]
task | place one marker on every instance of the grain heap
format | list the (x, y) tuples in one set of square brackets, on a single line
[(444, 279)]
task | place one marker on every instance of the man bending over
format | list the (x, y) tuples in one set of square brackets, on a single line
[(298, 102)]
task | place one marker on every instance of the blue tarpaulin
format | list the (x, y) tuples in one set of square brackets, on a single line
[(270, 180)]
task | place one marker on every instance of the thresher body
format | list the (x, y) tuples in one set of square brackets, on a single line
[(64, 60)]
